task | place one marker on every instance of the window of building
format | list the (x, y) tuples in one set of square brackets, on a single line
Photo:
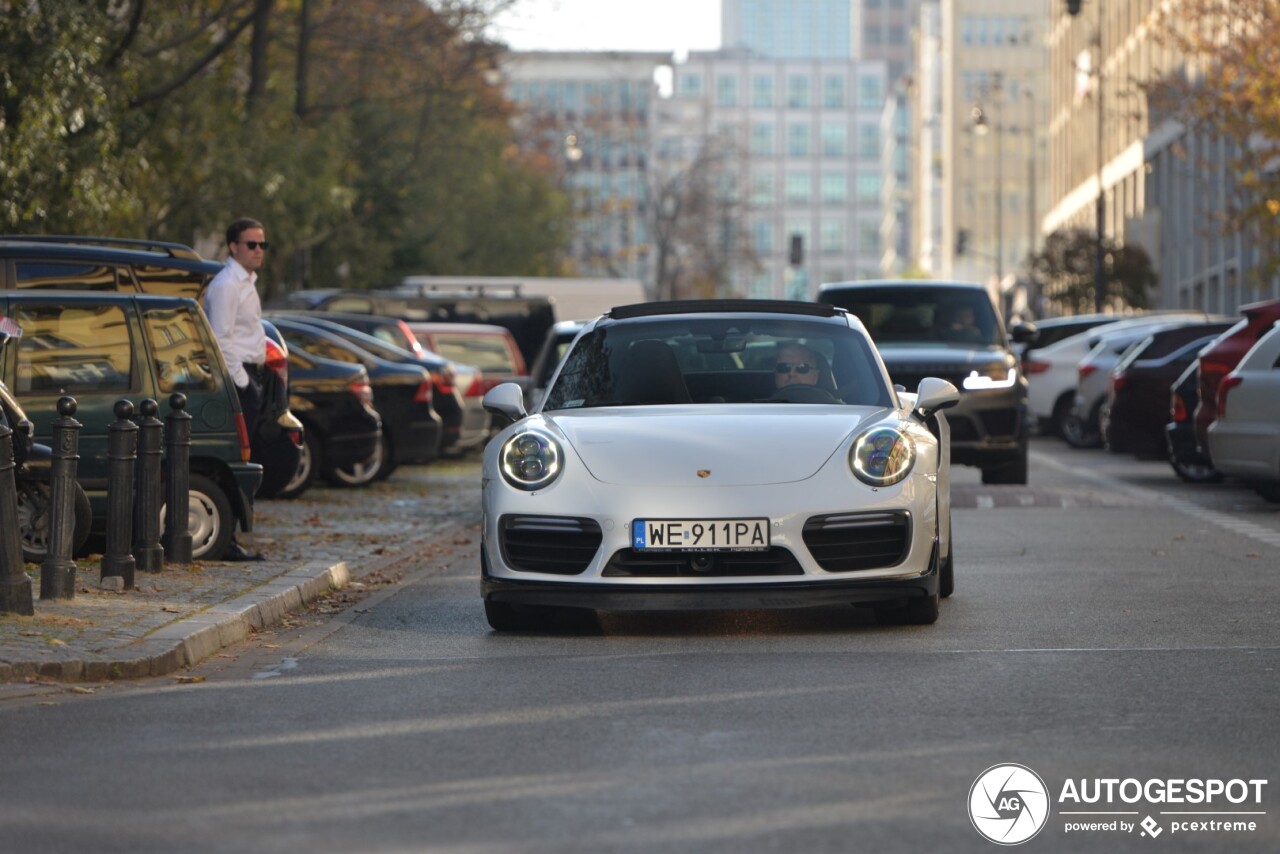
[(762, 139), (870, 91), (798, 139), (835, 188), (869, 188), (726, 91), (868, 238), (798, 188), (833, 91), (762, 191), (831, 237), (762, 236), (833, 140), (691, 84), (869, 140), (798, 90), (762, 91)]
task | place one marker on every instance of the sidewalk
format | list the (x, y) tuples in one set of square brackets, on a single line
[(175, 618)]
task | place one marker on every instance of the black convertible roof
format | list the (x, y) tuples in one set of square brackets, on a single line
[(702, 306)]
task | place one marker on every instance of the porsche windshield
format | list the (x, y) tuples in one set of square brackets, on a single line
[(720, 359)]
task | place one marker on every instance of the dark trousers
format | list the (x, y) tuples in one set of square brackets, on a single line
[(251, 397)]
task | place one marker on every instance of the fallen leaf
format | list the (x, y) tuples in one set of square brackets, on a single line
[(79, 689), (171, 609), (57, 642), (190, 680)]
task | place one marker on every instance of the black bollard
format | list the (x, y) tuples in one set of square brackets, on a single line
[(15, 587), (149, 483), (177, 482), (57, 570), (122, 456)]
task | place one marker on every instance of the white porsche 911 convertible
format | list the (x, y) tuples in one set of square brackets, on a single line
[(714, 455)]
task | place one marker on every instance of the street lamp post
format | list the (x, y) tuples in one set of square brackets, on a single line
[(981, 127)]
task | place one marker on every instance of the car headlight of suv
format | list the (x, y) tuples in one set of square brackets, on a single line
[(882, 456), (992, 376), (530, 460)]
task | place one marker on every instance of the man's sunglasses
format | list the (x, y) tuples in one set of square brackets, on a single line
[(253, 244), (786, 367)]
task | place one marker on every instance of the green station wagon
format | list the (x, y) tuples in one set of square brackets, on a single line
[(102, 346)]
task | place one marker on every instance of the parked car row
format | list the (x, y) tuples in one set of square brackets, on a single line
[(347, 397), (1201, 391)]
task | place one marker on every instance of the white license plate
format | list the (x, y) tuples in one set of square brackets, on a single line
[(700, 534)]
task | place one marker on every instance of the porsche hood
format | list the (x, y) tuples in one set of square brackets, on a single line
[(687, 446)]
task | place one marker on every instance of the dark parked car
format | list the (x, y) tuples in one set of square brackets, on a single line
[(1137, 407), (276, 442), (390, 330), (100, 347), (950, 330), (401, 394), (334, 402), (557, 342), (1185, 455), (528, 317), (452, 382), (1220, 357), (31, 477)]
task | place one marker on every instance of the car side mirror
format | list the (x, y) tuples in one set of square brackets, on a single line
[(1023, 332), (506, 399), (935, 395)]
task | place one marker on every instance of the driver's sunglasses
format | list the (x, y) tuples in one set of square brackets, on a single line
[(786, 367), (253, 244)]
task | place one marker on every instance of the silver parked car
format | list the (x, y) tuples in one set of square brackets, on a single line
[(1244, 440), (718, 454)]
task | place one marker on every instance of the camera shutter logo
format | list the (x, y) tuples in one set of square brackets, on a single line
[(1008, 804)]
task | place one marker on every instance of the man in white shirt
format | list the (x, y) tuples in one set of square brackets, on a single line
[(235, 313)]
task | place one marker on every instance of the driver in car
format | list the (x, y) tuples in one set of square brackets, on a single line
[(796, 365)]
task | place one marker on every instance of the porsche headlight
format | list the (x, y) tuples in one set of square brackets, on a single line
[(882, 456), (530, 460)]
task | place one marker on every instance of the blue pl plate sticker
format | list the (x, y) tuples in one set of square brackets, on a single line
[(637, 534)]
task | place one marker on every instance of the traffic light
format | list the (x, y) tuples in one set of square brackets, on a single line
[(962, 240), (1073, 7), (796, 253)]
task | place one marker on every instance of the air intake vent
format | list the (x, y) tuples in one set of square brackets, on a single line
[(553, 544), (633, 564), (847, 542)]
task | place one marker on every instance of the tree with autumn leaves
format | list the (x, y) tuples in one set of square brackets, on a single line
[(1229, 87), (370, 135)]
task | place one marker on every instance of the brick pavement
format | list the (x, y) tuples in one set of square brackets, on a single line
[(181, 615)]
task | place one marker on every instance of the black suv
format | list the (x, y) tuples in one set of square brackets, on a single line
[(101, 347), (951, 330)]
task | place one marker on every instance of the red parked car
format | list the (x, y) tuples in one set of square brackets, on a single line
[(1221, 357)]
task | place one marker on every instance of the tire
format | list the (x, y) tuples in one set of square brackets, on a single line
[(920, 611), (1082, 433), (362, 473), (210, 520), (1270, 490), (1061, 412), (34, 520), (389, 463), (1012, 472), (1194, 472), (308, 464), (946, 571)]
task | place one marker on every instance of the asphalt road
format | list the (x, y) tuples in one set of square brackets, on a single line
[(1108, 623)]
